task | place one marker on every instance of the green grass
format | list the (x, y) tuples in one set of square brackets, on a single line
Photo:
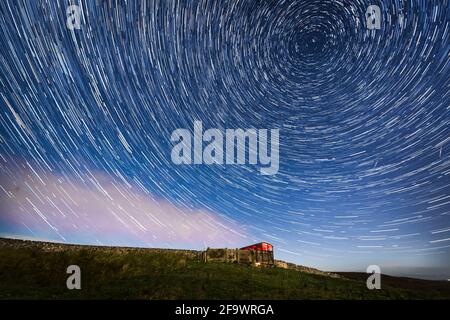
[(33, 273)]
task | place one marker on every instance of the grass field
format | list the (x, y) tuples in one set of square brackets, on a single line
[(35, 270)]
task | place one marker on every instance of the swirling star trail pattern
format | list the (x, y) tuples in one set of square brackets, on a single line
[(364, 119)]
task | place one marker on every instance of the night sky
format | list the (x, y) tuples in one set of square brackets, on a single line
[(364, 118)]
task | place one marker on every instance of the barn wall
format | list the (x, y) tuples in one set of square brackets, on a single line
[(238, 256)]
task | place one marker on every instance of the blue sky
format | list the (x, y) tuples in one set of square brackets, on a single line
[(363, 115)]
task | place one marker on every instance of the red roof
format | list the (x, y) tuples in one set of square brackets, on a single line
[(262, 246)]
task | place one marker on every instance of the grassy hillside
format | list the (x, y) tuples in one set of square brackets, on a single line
[(38, 270)]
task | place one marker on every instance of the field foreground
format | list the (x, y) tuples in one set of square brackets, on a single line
[(37, 270)]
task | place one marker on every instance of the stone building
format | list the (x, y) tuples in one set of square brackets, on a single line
[(256, 254)]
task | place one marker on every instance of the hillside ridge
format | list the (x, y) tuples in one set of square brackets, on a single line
[(37, 270)]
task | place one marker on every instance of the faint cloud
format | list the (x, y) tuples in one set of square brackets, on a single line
[(95, 208)]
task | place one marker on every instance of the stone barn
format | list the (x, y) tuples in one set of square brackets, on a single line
[(256, 254)]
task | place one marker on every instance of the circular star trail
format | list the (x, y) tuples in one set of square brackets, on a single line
[(364, 119)]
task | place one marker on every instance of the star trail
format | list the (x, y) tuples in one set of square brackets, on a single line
[(363, 118)]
